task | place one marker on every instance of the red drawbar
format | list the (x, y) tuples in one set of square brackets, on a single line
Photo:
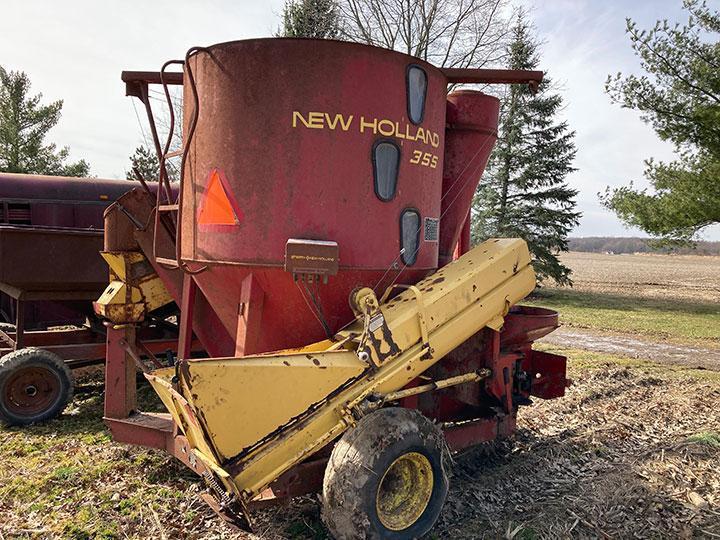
[(217, 207)]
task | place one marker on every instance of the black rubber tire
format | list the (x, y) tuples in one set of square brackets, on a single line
[(358, 464), (53, 368)]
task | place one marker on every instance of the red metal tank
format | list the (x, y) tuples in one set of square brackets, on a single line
[(472, 121), (315, 140)]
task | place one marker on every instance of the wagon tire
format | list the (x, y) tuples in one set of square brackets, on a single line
[(386, 477), (35, 385)]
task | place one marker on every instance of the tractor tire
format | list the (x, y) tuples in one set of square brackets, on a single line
[(386, 477), (35, 385)]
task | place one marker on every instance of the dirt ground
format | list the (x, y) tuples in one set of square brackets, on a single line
[(629, 452), (683, 277), (633, 450), (633, 346)]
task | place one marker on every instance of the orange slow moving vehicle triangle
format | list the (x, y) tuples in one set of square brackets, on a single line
[(216, 208)]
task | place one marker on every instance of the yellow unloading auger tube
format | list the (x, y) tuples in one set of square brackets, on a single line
[(250, 419)]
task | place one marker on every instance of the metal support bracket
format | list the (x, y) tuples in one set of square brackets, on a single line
[(422, 315)]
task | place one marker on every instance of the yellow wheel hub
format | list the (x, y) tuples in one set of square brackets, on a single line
[(404, 491)]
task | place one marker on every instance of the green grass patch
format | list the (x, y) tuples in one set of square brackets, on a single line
[(67, 479), (707, 437), (670, 319)]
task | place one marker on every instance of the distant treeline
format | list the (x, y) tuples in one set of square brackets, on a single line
[(601, 244)]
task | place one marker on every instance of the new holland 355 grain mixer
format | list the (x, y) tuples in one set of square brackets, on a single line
[(317, 172)]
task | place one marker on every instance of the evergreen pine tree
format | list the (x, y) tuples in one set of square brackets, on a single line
[(310, 19), (147, 164), (24, 124), (678, 93), (524, 192)]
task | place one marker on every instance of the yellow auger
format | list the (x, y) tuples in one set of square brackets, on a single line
[(250, 419)]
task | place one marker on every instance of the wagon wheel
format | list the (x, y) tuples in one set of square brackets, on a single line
[(35, 385), (386, 477)]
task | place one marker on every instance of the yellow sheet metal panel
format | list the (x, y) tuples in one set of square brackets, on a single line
[(121, 263), (458, 329), (134, 291), (182, 413), (116, 305), (243, 400), (262, 467)]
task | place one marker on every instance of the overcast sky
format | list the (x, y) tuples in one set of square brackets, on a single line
[(76, 49)]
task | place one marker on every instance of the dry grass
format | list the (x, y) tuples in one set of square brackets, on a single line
[(67, 479), (678, 277), (633, 449)]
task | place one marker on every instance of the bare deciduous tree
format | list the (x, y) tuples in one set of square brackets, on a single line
[(447, 33), (145, 158)]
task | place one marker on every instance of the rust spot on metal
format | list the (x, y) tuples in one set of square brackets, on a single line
[(184, 370)]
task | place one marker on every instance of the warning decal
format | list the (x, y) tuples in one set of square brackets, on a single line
[(217, 208)]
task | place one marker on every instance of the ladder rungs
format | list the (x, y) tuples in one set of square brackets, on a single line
[(166, 261), (168, 208), (176, 153)]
